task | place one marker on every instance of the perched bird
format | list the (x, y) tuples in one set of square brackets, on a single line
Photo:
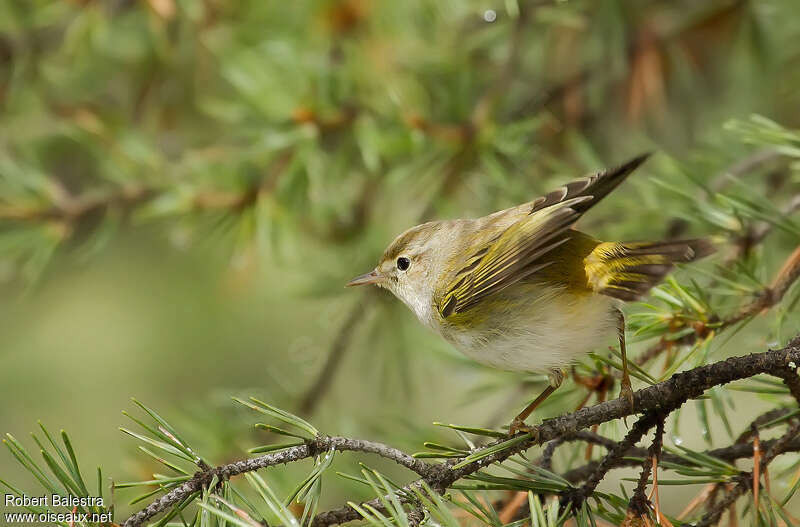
[(521, 289)]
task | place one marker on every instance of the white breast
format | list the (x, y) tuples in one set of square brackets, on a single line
[(547, 329)]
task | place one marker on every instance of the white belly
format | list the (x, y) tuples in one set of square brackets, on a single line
[(548, 330)]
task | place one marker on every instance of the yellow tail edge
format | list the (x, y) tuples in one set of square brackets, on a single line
[(627, 271)]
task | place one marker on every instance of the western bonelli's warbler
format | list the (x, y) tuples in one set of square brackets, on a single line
[(521, 289)]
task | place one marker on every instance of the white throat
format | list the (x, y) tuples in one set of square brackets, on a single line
[(421, 303)]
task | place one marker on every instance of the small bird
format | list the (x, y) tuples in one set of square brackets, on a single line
[(521, 289)]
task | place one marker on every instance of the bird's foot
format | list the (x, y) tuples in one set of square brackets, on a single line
[(626, 393), (518, 426)]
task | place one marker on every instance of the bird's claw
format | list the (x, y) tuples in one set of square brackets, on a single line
[(626, 393), (518, 425)]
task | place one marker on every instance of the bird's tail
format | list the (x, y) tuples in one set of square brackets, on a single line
[(628, 270)]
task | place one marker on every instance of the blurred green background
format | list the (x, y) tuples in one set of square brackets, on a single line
[(186, 185)]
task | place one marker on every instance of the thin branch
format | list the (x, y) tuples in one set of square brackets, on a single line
[(631, 458), (766, 417), (296, 453), (773, 294), (756, 234), (668, 394), (638, 502), (743, 167), (646, 422), (337, 351), (656, 399), (73, 209), (744, 482), (592, 438)]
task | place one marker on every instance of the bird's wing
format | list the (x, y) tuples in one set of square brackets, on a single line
[(521, 249), (597, 185)]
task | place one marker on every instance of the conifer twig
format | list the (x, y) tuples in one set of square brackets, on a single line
[(296, 453), (546, 460), (729, 453), (756, 234), (638, 502), (744, 482), (655, 400), (73, 208), (639, 429), (773, 294)]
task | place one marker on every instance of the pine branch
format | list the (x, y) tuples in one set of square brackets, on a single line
[(645, 423), (71, 208), (638, 502), (337, 350), (756, 234), (630, 458), (654, 401), (743, 167), (744, 482), (546, 460), (296, 453), (766, 417), (773, 294)]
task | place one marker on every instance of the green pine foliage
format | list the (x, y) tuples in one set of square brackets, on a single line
[(309, 133)]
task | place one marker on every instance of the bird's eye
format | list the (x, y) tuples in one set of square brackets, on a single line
[(403, 263)]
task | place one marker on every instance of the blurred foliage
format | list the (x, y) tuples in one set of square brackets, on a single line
[(288, 142), (332, 120)]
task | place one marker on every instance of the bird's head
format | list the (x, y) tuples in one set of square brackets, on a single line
[(410, 266)]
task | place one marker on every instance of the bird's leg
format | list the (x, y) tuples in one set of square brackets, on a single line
[(625, 389), (518, 424)]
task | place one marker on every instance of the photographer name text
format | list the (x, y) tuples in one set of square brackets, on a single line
[(52, 500)]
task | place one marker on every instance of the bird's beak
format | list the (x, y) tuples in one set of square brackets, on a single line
[(371, 277)]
